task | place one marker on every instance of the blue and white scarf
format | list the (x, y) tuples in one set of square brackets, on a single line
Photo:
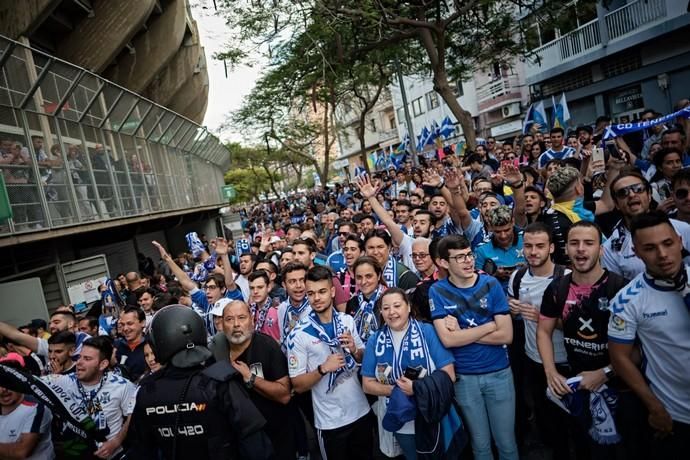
[(316, 330), (196, 247), (292, 317), (366, 321), (390, 272), (413, 352)]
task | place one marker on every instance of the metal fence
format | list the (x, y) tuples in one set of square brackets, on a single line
[(76, 148)]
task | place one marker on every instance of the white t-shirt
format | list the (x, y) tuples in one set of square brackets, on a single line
[(620, 258), (116, 397), (405, 252), (661, 321), (243, 283), (29, 417), (346, 403), (532, 291)]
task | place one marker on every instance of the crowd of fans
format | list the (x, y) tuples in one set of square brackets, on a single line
[(530, 295)]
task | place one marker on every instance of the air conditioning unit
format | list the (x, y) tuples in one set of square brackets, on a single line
[(510, 110)]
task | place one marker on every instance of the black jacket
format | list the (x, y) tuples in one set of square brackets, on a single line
[(435, 396), (198, 414)]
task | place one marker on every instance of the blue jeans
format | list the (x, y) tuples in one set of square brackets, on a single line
[(408, 445), (487, 402)]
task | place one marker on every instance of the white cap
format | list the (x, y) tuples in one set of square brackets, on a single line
[(219, 306), (274, 239)]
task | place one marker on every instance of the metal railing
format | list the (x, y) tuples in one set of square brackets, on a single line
[(631, 17), (76, 148), (497, 88), (587, 38)]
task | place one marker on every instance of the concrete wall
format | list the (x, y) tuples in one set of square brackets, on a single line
[(191, 89), (97, 40), (181, 67), (17, 21), (154, 49)]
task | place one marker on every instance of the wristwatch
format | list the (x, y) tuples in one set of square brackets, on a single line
[(517, 184), (320, 371), (250, 383), (609, 373)]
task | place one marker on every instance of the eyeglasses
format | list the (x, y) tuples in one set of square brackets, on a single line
[(343, 233), (211, 287), (681, 193), (625, 191), (459, 258), (420, 255)]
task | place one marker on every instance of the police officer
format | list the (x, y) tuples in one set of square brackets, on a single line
[(188, 411)]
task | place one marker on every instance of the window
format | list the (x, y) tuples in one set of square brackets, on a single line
[(432, 99), (457, 89), (417, 109), (391, 121), (401, 117), (372, 124)]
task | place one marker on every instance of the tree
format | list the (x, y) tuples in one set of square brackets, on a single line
[(447, 38), (249, 184)]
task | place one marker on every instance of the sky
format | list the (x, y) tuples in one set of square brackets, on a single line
[(224, 94)]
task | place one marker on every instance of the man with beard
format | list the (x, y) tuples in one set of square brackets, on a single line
[(652, 311), (60, 350), (296, 307), (322, 357), (214, 288), (424, 264), (261, 363), (526, 289), (399, 237), (632, 196), (580, 300)]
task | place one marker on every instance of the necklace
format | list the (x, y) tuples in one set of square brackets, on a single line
[(92, 405)]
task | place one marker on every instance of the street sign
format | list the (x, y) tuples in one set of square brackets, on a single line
[(5, 207), (228, 191)]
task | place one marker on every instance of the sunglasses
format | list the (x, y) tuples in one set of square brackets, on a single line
[(681, 193), (625, 191)]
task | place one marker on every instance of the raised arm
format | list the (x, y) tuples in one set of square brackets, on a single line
[(17, 336), (221, 245), (455, 184), (368, 191), (513, 178), (184, 279)]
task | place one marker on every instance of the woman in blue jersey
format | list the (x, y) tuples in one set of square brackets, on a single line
[(395, 348)]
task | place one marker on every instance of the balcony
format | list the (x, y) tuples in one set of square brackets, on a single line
[(77, 151), (497, 92), (598, 34)]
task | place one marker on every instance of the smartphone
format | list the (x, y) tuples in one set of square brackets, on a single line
[(597, 154), (612, 149), (412, 373)]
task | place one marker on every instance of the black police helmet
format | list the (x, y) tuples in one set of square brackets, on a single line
[(177, 336)]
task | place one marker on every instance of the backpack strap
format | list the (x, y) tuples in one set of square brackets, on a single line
[(517, 280), (562, 286)]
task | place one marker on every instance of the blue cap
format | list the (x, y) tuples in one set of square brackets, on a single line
[(401, 409)]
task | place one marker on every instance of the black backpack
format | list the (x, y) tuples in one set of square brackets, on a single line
[(558, 272)]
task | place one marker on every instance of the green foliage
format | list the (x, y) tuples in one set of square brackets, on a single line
[(249, 184)]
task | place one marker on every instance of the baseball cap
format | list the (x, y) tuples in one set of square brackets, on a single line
[(219, 306), (274, 239), (13, 357)]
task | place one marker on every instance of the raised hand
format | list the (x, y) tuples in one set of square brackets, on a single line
[(366, 188), (431, 178), (221, 245), (510, 173), (452, 178), (161, 249)]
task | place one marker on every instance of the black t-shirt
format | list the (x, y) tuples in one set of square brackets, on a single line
[(585, 315), (265, 359), (560, 224)]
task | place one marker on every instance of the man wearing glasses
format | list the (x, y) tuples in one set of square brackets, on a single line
[(472, 319), (337, 260), (632, 196), (681, 195)]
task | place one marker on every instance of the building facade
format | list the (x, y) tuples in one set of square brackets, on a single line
[(616, 58)]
